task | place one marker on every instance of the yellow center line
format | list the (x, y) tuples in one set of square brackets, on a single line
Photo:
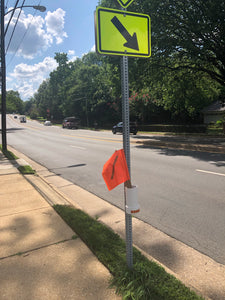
[(92, 138), (32, 128), (110, 140)]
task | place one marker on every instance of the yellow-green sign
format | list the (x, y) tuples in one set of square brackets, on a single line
[(121, 32), (125, 3)]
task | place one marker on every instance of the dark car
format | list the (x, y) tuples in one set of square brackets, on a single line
[(70, 122), (119, 128)]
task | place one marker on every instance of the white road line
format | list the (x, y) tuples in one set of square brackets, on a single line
[(209, 172), (81, 148)]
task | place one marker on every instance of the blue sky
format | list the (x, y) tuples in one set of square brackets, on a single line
[(66, 26)]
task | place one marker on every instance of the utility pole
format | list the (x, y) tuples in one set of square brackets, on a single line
[(3, 76)]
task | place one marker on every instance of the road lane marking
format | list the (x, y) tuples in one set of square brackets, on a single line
[(209, 172), (92, 138), (81, 148)]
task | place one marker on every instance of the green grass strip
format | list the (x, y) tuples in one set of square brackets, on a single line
[(8, 154), (26, 170), (147, 280), (23, 169)]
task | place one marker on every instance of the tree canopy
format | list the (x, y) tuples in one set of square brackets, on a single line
[(185, 73), (186, 34), (13, 102)]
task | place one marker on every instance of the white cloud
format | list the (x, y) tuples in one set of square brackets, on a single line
[(34, 34), (93, 49), (55, 24), (71, 52), (71, 55), (27, 78)]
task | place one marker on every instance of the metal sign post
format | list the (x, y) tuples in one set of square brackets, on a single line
[(126, 147), (123, 33)]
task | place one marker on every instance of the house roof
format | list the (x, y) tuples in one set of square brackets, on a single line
[(216, 106)]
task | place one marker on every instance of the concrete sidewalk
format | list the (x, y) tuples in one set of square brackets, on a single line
[(40, 256)]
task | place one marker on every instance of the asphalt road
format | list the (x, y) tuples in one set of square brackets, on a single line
[(180, 192)]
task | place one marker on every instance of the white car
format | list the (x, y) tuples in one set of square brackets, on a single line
[(47, 123)]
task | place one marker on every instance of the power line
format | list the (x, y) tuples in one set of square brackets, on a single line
[(14, 27), (12, 14), (23, 37)]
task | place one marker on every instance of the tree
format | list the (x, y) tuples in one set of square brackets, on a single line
[(43, 100), (14, 103), (144, 107), (190, 33), (61, 59), (186, 93), (56, 87), (187, 67), (90, 97)]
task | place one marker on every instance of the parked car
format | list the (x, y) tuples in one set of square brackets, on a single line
[(70, 122), (119, 128), (23, 119), (47, 123), (15, 117)]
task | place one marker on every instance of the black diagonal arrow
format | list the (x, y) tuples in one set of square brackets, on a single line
[(131, 40)]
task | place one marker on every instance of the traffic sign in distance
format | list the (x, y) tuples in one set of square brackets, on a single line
[(125, 3), (121, 33)]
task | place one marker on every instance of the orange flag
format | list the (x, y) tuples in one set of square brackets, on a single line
[(115, 170)]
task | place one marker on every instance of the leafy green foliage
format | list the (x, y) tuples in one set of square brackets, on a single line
[(84, 88), (13, 102), (190, 33), (147, 280), (185, 73), (90, 89)]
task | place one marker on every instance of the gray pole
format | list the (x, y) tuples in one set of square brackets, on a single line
[(126, 147), (3, 76)]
